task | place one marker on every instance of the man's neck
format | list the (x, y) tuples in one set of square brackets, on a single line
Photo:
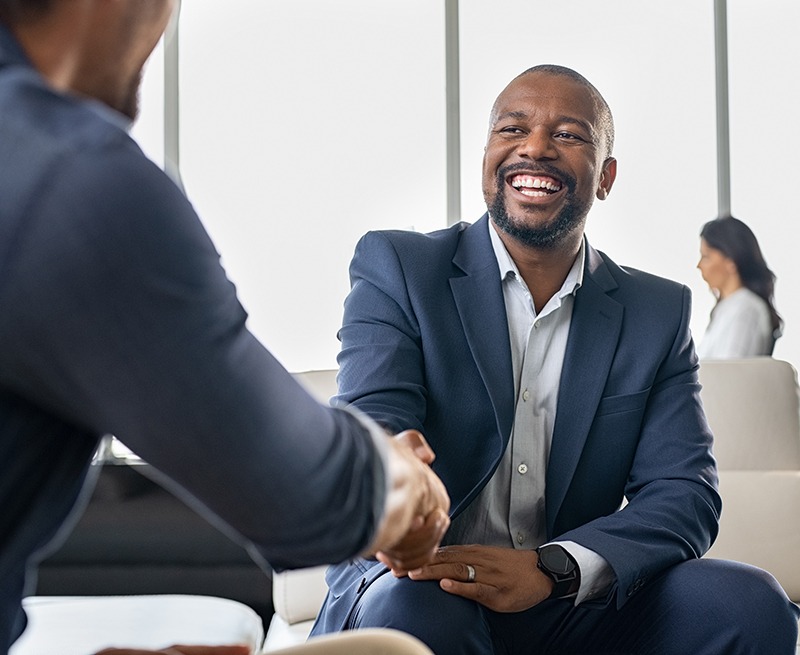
[(543, 269), (52, 42)]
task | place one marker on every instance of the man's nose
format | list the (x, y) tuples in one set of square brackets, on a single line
[(538, 145)]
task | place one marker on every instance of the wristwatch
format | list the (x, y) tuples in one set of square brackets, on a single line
[(558, 565)]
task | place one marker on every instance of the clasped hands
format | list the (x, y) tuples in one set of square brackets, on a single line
[(502, 579), (416, 513)]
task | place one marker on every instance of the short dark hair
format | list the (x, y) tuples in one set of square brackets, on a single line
[(604, 111)]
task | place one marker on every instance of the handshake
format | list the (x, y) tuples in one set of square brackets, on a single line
[(416, 513)]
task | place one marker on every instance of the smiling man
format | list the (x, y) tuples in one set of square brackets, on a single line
[(553, 385)]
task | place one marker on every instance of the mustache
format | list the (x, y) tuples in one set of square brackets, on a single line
[(539, 168)]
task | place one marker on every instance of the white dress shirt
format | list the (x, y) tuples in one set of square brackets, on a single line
[(510, 510)]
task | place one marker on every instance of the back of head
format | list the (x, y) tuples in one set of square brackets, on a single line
[(736, 240)]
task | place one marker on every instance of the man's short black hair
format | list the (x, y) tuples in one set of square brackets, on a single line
[(606, 119)]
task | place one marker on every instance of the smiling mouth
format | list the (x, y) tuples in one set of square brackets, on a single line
[(535, 186)]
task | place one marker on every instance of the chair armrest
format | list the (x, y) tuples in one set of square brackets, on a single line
[(77, 625), (760, 525), (298, 594)]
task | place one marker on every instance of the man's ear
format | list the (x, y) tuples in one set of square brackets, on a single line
[(607, 178)]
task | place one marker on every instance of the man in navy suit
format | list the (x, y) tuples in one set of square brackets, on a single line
[(554, 387)]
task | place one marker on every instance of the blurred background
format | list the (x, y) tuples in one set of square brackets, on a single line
[(303, 125)]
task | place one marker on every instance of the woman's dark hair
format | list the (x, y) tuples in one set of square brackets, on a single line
[(736, 241)]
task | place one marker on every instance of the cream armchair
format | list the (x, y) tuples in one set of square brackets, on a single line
[(753, 409)]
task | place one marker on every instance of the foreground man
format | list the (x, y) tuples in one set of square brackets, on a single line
[(553, 385), (116, 317)]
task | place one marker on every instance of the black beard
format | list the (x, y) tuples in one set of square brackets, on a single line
[(569, 219), (129, 103)]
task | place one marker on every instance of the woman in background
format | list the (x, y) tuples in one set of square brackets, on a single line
[(744, 322)]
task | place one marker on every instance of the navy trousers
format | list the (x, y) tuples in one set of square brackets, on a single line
[(699, 607)]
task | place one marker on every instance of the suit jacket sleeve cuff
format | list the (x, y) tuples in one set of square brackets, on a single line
[(597, 576)]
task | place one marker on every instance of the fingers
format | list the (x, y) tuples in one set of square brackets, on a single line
[(414, 491), (457, 571), (414, 440), (418, 547), (472, 590)]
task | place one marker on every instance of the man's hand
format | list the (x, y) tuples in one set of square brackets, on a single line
[(180, 650), (505, 580), (416, 517)]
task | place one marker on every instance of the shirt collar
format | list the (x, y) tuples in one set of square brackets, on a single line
[(508, 268)]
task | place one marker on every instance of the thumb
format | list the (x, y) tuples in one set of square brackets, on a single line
[(414, 440)]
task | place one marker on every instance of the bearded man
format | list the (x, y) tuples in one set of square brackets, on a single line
[(553, 385)]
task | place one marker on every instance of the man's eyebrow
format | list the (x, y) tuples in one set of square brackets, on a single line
[(518, 115), (570, 120)]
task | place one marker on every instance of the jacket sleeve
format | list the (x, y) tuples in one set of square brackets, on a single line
[(124, 322), (381, 362), (673, 506)]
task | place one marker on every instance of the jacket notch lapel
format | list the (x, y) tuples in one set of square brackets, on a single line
[(478, 296), (593, 337)]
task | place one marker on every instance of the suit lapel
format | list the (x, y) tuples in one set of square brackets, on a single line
[(593, 336), (479, 299)]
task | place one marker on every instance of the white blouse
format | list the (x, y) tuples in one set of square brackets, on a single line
[(740, 326)]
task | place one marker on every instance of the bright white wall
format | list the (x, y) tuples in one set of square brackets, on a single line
[(765, 171), (305, 126)]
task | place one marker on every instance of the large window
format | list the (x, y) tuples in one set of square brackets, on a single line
[(765, 100), (304, 126)]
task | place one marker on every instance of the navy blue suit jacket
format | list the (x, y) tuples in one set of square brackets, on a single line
[(425, 345)]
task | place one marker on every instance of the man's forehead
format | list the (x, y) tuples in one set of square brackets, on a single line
[(545, 86), (526, 94)]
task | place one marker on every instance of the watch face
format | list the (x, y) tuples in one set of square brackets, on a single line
[(556, 560)]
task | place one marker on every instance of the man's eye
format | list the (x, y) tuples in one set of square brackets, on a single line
[(510, 130), (567, 136)]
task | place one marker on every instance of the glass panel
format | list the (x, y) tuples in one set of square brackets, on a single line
[(765, 99), (654, 64), (303, 125)]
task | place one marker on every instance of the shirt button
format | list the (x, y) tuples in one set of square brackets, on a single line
[(526, 395), (523, 469), (520, 537), (536, 325)]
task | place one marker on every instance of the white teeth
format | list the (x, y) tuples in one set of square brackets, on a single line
[(532, 194), (526, 181)]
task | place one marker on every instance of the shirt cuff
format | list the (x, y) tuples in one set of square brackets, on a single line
[(381, 469), (597, 576)]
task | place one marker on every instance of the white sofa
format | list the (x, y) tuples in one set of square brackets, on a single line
[(82, 625), (753, 409)]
